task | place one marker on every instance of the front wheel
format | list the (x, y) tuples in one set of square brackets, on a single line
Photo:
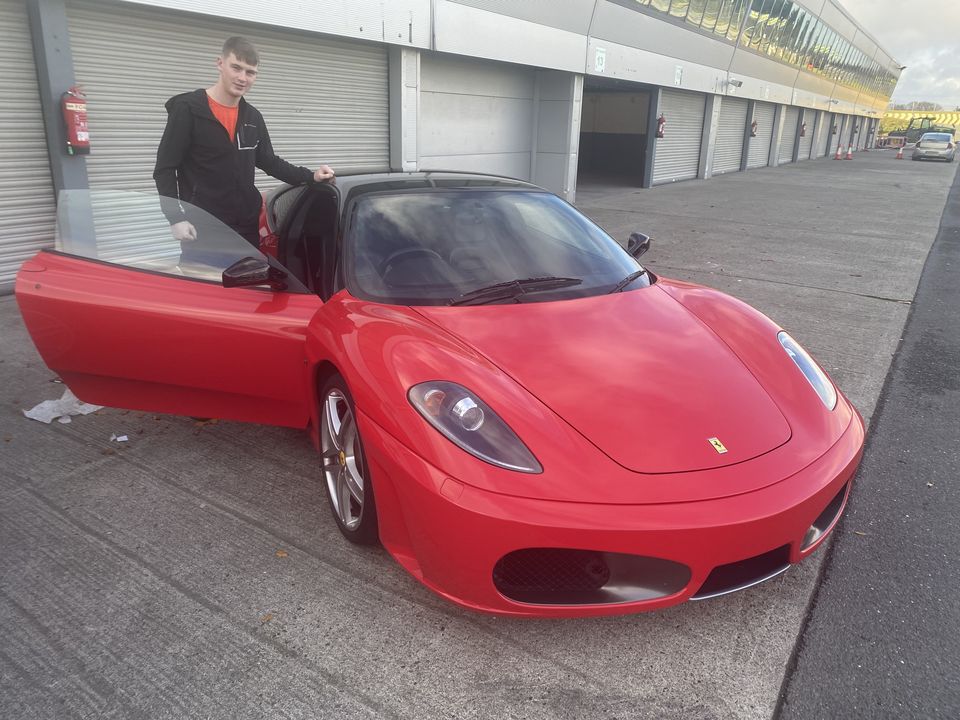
[(344, 465)]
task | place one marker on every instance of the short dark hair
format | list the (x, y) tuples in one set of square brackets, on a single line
[(242, 48)]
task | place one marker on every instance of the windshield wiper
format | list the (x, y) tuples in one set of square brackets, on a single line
[(627, 280), (512, 289)]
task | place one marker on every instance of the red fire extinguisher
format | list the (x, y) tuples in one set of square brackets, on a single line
[(661, 122), (74, 105)]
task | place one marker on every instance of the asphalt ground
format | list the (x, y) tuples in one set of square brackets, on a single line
[(883, 636), (194, 571)]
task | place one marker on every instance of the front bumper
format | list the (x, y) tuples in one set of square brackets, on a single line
[(451, 536)]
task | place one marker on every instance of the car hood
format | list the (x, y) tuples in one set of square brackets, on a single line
[(635, 373)]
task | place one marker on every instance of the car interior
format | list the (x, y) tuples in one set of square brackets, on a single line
[(306, 230), (429, 250)]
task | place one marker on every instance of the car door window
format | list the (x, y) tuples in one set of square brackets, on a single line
[(130, 229)]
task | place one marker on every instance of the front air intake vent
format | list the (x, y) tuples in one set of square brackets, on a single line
[(561, 576)]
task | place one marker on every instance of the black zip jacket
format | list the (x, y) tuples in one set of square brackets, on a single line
[(198, 164)]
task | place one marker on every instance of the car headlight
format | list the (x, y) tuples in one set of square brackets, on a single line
[(811, 371), (468, 422)]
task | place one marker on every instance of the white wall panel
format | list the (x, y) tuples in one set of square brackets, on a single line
[(629, 63), (570, 15), (623, 26), (476, 115), (402, 22), (473, 32)]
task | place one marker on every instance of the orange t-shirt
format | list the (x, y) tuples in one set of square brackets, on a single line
[(226, 115)]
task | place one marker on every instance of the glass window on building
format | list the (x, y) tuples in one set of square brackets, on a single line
[(805, 38), (787, 34), (695, 13), (723, 18), (710, 13), (780, 30), (750, 23), (678, 8), (761, 32), (812, 58), (793, 42), (769, 26), (737, 13)]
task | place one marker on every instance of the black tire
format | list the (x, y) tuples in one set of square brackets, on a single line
[(343, 465)]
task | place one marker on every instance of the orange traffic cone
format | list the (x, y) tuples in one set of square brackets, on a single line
[(849, 155), (838, 156), (900, 153)]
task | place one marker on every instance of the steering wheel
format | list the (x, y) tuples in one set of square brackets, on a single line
[(404, 253)]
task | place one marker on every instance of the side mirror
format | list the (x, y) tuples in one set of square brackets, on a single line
[(638, 244), (250, 271)]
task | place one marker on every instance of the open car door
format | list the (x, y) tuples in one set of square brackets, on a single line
[(129, 317)]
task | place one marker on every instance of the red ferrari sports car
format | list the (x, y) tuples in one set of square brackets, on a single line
[(530, 421)]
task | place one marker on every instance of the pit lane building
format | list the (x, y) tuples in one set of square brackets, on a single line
[(558, 92)]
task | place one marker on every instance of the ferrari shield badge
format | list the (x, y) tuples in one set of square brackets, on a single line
[(717, 445)]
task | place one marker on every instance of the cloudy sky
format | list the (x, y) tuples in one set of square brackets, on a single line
[(923, 36)]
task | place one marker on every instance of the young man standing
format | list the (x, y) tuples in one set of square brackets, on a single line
[(212, 142)]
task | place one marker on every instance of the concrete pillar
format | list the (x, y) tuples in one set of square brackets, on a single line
[(817, 138), (54, 61), (795, 156), (557, 102), (773, 158), (711, 122), (404, 81), (747, 139), (656, 103)]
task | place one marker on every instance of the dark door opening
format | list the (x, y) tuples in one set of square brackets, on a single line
[(613, 137)]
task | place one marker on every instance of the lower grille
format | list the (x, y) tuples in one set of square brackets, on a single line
[(744, 573), (561, 576), (822, 525)]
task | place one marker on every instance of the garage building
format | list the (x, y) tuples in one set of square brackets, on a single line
[(637, 92)]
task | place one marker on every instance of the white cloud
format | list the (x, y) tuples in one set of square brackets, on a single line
[(924, 38)]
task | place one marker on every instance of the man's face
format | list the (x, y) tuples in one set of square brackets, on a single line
[(236, 76)]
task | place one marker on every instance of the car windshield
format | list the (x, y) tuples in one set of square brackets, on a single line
[(130, 229), (936, 137), (476, 246)]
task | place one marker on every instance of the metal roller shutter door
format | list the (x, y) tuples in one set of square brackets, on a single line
[(729, 146), (844, 135), (678, 152), (823, 132), (324, 100), (833, 139), (788, 136), (759, 154), (806, 142), (27, 204)]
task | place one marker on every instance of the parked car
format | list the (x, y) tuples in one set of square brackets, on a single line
[(528, 419), (934, 146)]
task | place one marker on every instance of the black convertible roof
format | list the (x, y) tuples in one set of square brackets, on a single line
[(386, 181)]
